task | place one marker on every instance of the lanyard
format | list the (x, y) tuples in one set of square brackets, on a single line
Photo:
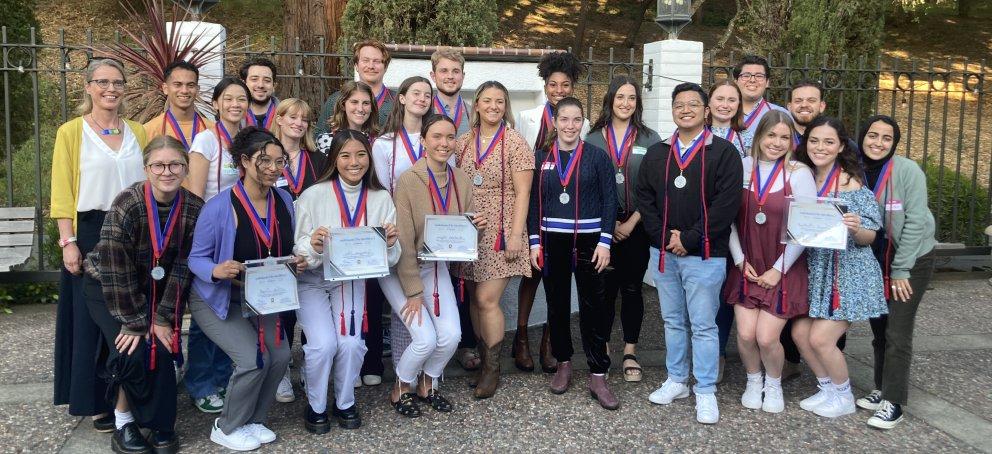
[(621, 151), (178, 131), (264, 230), (266, 120), (481, 158), (459, 109)]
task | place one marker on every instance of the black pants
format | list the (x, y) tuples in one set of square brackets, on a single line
[(629, 260), (893, 336), (373, 339), (77, 336), (595, 312), (155, 408)]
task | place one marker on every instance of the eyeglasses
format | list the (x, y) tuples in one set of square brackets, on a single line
[(692, 105), (276, 164), (105, 83), (752, 76), (175, 168)]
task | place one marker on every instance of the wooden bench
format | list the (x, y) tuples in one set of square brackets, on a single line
[(17, 235)]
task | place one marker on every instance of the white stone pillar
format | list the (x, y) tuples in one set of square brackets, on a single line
[(206, 34), (675, 61)]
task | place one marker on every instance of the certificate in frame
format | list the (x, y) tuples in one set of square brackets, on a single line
[(270, 286), (352, 253), (816, 223), (450, 238)]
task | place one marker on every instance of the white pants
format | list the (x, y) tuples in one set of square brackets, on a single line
[(326, 348), (436, 338)]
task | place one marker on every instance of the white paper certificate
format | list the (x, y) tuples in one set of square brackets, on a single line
[(270, 285), (816, 224), (449, 238), (355, 253)]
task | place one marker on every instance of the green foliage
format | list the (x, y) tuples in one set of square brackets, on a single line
[(953, 222), (817, 27), (14, 294), (443, 22), (18, 17)]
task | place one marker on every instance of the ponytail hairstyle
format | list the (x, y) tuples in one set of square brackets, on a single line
[(565, 102)]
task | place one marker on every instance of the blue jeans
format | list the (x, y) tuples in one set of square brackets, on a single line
[(208, 368), (689, 292)]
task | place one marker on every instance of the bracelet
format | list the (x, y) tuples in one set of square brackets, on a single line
[(63, 242)]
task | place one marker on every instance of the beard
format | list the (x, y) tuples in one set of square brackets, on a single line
[(447, 93), (804, 123), (262, 102)]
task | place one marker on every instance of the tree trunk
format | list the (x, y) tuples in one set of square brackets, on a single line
[(965, 7), (580, 29), (304, 26), (635, 24)]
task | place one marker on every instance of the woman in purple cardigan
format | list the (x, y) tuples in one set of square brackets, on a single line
[(249, 221)]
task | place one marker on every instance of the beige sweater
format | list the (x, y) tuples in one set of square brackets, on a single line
[(413, 202)]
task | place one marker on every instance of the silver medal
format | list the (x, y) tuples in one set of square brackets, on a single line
[(680, 181), (158, 273), (477, 179), (620, 178), (564, 198), (760, 218)]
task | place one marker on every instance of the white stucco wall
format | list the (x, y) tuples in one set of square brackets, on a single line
[(213, 72)]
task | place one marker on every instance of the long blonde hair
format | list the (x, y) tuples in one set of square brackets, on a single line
[(86, 106), (296, 105), (771, 119)]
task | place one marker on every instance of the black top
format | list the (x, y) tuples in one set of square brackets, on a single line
[(247, 246), (724, 180), (312, 171)]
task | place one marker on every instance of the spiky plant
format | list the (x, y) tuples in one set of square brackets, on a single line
[(158, 45)]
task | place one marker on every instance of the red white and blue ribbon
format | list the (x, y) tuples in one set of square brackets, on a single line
[(381, 97), (620, 151), (480, 157), (684, 158), (547, 117), (441, 202), (408, 146), (177, 131), (264, 229), (459, 109), (349, 219), (296, 183), (755, 114), (159, 240), (270, 115), (761, 195), (565, 171), (223, 143), (883, 180), (832, 180)]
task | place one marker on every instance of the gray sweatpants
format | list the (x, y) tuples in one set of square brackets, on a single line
[(251, 390)]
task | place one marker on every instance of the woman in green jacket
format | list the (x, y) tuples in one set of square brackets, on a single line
[(905, 252)]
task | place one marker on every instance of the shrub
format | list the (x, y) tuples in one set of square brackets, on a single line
[(18, 17), (443, 22), (952, 209)]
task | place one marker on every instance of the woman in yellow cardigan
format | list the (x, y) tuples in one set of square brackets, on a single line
[(96, 155)]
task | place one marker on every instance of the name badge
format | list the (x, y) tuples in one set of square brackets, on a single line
[(638, 150), (230, 169), (893, 205), (280, 183), (548, 166)]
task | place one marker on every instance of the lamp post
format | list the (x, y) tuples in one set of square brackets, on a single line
[(673, 16)]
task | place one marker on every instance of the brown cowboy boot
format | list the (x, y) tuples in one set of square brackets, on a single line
[(548, 362), (521, 350), (480, 348), (489, 376)]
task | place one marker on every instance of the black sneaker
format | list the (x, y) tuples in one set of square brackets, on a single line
[(871, 401), (316, 423), (887, 416), (128, 440), (349, 417), (106, 424)]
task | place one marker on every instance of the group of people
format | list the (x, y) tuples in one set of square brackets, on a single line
[(160, 217)]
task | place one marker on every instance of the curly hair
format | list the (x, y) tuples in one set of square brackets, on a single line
[(559, 62), (251, 140)]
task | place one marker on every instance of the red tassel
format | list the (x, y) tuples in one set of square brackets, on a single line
[(661, 255), (706, 247), (278, 330), (437, 304), (154, 348), (540, 258), (461, 289), (343, 331), (499, 244), (835, 300), (261, 336), (887, 288)]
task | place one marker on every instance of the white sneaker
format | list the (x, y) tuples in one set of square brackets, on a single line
[(284, 393), (372, 380), (774, 402), (810, 403), (838, 405), (707, 411), (358, 382), (239, 440), (752, 395), (261, 433), (669, 391)]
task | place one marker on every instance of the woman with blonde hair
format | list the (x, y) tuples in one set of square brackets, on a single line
[(96, 155)]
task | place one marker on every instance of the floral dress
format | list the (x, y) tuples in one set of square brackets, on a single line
[(859, 275)]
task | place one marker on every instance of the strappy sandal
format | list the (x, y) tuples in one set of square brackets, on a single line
[(407, 405), (632, 373), (437, 401)]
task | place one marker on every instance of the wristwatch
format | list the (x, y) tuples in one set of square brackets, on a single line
[(63, 242)]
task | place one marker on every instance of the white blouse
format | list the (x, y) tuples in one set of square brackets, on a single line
[(206, 144), (103, 172), (386, 169)]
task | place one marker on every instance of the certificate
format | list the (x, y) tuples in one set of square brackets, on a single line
[(355, 253), (449, 238), (818, 224), (270, 286)]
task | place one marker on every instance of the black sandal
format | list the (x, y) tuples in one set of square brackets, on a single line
[(632, 373), (437, 401), (407, 405)]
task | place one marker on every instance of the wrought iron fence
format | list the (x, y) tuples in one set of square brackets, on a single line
[(42, 82), (939, 106)]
